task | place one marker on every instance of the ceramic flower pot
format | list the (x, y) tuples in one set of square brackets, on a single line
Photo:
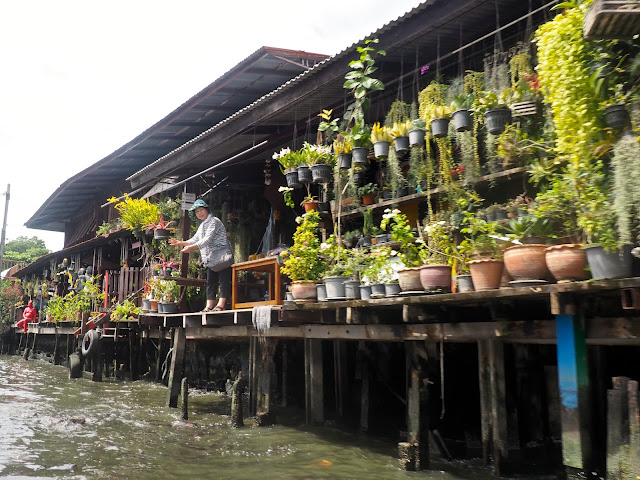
[(435, 278), (526, 262), (567, 262), (305, 291), (409, 279), (486, 273)]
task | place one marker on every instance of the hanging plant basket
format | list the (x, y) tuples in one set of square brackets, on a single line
[(292, 178), (439, 127), (381, 149), (359, 154), (462, 120), (304, 174), (612, 19), (321, 173), (344, 161), (401, 144), (497, 119), (617, 117), (416, 137)]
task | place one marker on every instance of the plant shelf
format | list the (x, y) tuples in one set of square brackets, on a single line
[(612, 19)]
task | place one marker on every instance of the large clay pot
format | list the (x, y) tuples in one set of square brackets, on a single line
[(486, 273), (526, 262), (435, 278), (304, 291), (567, 262), (409, 279)]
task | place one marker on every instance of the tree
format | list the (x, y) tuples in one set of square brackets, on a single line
[(25, 249)]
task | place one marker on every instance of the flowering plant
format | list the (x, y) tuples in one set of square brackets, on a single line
[(382, 266), (410, 247), (288, 158), (136, 213), (317, 154), (438, 242), (161, 225), (288, 200), (304, 262)]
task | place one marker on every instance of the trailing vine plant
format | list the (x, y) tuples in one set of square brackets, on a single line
[(626, 194)]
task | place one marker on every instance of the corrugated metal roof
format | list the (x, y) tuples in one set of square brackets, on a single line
[(253, 77)]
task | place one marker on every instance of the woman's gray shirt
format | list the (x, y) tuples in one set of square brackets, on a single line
[(211, 235)]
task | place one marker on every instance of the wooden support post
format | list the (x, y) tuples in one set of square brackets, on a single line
[(237, 419), (417, 410), (253, 348), (314, 381), (634, 427), (159, 359), (96, 362), (285, 370), (573, 382), (184, 387), (493, 403), (364, 387), (132, 355), (340, 374), (264, 373), (55, 348), (177, 367)]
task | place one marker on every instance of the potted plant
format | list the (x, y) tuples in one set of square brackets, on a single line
[(408, 245), (342, 149), (360, 135), (367, 193), (303, 263), (321, 160), (438, 257), (135, 213), (161, 229), (170, 294), (289, 161), (493, 110), (440, 117), (126, 311), (416, 132), (359, 175), (367, 227), (482, 240), (381, 269), (461, 105), (400, 134), (381, 138)]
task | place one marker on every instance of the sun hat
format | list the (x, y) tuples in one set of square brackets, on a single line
[(197, 204)]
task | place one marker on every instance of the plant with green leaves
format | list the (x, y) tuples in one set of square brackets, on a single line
[(342, 145), (126, 311), (439, 245), (481, 237), (328, 125), (399, 112), (409, 245), (401, 129), (135, 213), (304, 262), (368, 189), (381, 267), (287, 158), (626, 192), (317, 154)]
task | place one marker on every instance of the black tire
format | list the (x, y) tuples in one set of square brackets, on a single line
[(90, 343)]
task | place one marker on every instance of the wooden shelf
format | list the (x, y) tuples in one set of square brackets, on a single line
[(419, 197)]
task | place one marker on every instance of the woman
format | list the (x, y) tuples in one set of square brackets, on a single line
[(211, 235)]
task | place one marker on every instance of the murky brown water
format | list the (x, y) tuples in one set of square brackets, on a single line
[(54, 427)]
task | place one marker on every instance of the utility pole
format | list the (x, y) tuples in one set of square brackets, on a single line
[(4, 223)]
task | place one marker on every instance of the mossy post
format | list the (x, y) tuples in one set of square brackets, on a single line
[(237, 419), (184, 387)]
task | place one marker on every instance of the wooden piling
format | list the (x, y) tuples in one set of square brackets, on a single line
[(417, 408), (253, 386), (264, 370), (159, 358), (237, 419), (314, 391), (622, 430), (285, 370), (184, 387), (407, 454), (341, 375), (177, 367), (493, 403), (96, 361)]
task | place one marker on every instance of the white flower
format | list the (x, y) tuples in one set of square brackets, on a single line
[(387, 210), (419, 240), (299, 220), (324, 246), (393, 253), (395, 211), (285, 189)]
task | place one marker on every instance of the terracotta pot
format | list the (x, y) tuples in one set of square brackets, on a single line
[(567, 262), (153, 305), (526, 262), (486, 273), (304, 291), (435, 277), (309, 206), (367, 199), (409, 279)]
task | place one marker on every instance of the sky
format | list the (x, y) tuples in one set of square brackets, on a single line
[(80, 78)]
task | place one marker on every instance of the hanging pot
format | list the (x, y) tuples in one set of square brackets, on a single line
[(439, 127), (401, 144), (497, 120), (323, 207), (604, 265), (344, 161), (321, 173), (436, 278), (291, 175), (416, 137), (381, 149), (359, 154), (304, 174), (617, 117), (462, 120)]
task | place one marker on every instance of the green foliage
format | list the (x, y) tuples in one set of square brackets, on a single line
[(10, 297), (399, 112), (287, 158), (394, 177), (135, 213), (434, 95), (368, 189), (409, 246), (379, 266), (481, 237), (25, 249), (626, 193), (107, 227), (304, 261), (125, 311), (440, 247)]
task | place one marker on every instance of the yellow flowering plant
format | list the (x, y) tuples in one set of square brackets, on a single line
[(303, 261)]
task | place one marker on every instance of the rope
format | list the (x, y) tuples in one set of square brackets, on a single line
[(165, 364)]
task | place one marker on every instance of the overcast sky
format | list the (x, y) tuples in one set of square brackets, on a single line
[(81, 78)]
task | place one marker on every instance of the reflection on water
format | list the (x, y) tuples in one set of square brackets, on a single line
[(53, 427)]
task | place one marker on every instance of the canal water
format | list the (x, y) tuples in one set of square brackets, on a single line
[(52, 427)]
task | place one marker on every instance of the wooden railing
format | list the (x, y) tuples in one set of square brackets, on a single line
[(123, 283)]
